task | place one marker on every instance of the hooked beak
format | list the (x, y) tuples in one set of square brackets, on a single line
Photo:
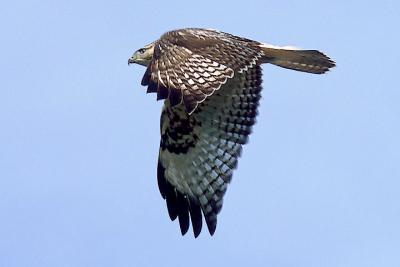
[(132, 59)]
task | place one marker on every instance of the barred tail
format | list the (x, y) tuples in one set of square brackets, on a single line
[(311, 61)]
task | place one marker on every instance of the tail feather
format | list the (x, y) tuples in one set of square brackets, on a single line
[(312, 61)]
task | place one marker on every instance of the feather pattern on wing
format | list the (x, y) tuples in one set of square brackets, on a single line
[(198, 152), (190, 65), (211, 83)]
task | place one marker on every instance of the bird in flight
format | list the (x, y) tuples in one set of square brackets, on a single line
[(211, 83)]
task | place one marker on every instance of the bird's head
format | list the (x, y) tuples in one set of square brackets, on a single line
[(142, 56)]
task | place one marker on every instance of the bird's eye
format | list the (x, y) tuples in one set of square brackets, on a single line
[(141, 50)]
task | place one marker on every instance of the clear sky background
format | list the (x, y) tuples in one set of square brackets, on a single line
[(318, 184)]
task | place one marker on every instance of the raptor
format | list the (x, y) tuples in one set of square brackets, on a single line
[(210, 82)]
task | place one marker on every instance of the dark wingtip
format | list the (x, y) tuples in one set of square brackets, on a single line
[(211, 221), (162, 92), (162, 182), (146, 77), (184, 225), (152, 87), (175, 96), (183, 213), (196, 218), (172, 207), (167, 192)]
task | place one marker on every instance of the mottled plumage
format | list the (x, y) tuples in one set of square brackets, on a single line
[(212, 83)]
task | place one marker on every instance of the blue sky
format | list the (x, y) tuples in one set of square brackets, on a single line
[(318, 184)]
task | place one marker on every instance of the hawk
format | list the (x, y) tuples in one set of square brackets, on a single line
[(211, 83)]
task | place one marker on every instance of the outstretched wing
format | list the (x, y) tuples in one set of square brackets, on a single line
[(198, 152), (191, 64)]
